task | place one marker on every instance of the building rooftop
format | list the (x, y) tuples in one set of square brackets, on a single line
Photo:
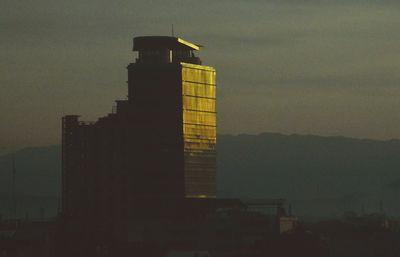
[(162, 42)]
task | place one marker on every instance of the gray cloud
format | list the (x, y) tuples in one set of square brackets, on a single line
[(282, 65)]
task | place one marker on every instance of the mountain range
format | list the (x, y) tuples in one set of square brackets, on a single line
[(318, 176)]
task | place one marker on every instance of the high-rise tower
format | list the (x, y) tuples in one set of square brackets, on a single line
[(160, 143)]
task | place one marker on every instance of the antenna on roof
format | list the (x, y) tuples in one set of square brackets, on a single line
[(172, 30)]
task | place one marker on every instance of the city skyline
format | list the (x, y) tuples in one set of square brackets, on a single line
[(284, 66)]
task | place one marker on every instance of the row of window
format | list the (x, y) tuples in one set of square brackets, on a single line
[(198, 104), (192, 130), (201, 118), (199, 146), (199, 76), (196, 89)]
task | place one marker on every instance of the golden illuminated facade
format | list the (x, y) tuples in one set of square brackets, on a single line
[(159, 143), (199, 129)]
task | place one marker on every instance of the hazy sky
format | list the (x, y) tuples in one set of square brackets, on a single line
[(290, 66)]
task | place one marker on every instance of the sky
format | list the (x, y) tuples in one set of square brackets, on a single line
[(289, 66)]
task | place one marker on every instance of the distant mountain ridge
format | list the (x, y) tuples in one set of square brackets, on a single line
[(319, 175)]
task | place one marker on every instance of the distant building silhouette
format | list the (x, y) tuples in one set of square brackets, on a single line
[(158, 143)]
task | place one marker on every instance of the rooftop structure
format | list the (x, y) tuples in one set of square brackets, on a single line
[(162, 49)]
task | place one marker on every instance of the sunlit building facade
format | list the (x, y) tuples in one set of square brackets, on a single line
[(199, 130)]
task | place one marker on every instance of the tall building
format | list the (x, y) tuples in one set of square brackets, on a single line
[(141, 181), (158, 144)]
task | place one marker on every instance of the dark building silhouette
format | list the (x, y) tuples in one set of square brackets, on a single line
[(160, 143), (142, 180)]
